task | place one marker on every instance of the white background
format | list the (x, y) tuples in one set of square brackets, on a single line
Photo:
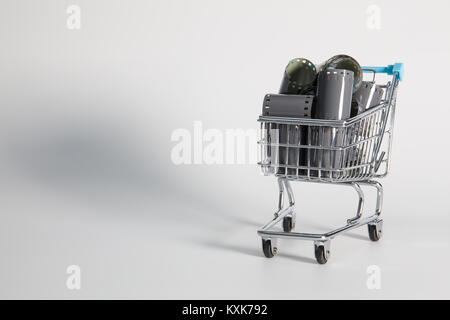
[(86, 176)]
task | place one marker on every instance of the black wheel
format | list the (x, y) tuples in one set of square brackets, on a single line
[(374, 233), (321, 254), (269, 252), (288, 224)]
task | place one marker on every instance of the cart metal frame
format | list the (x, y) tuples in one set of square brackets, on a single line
[(360, 151)]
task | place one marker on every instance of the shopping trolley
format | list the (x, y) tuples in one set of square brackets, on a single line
[(348, 152)]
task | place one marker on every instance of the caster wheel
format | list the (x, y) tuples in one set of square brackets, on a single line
[(374, 232), (288, 224), (268, 250), (321, 254)]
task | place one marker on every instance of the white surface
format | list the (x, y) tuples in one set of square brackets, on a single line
[(154, 246), (86, 177)]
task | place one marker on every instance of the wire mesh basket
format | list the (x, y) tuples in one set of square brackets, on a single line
[(329, 150)]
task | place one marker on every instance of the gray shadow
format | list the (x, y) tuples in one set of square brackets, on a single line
[(235, 248), (246, 222), (297, 258), (255, 252), (99, 163), (356, 236)]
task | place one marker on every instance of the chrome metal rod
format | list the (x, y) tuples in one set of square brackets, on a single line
[(379, 187), (316, 236), (352, 223), (360, 203), (280, 198), (277, 219), (289, 192)]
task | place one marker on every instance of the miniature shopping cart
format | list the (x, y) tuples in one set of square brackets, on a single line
[(348, 152)]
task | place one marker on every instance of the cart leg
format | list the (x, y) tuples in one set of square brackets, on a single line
[(269, 245), (379, 188), (282, 212), (375, 227), (289, 192), (289, 220), (360, 203), (280, 197)]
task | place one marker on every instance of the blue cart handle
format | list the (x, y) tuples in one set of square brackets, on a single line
[(397, 68)]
